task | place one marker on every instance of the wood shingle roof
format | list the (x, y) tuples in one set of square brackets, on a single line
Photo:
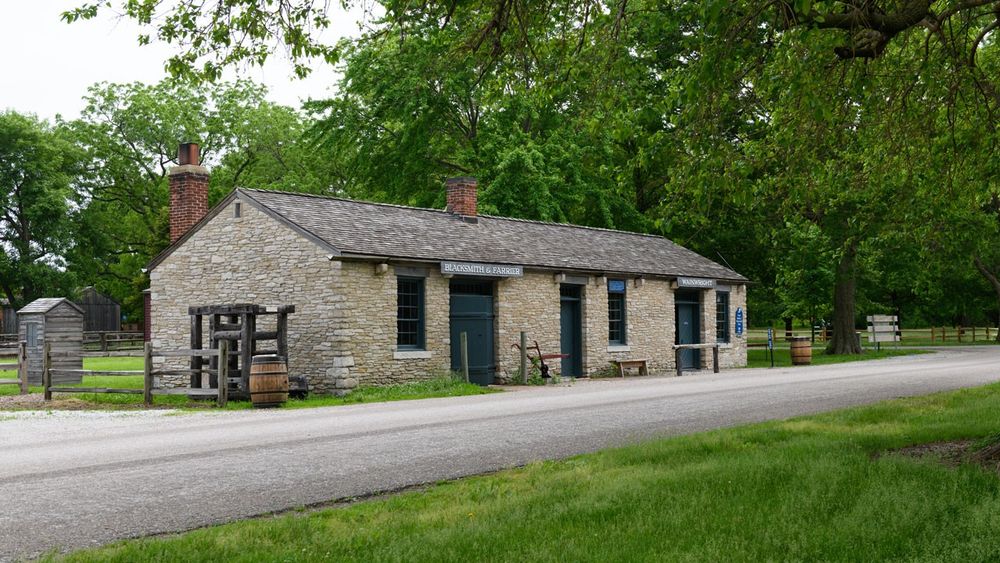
[(350, 227)]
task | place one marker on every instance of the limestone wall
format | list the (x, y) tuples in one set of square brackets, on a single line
[(371, 305), (531, 304), (649, 322), (254, 259), (734, 354)]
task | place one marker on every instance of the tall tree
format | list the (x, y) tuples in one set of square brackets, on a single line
[(37, 207), (130, 133)]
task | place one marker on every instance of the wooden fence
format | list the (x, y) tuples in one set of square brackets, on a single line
[(110, 341), (962, 334), (221, 393), (20, 364)]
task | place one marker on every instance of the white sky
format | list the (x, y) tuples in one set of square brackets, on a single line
[(46, 64)]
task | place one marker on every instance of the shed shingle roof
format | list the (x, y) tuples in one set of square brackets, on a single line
[(46, 304), (392, 231)]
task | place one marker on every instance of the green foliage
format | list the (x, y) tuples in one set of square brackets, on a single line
[(753, 132), (38, 207), (228, 32), (130, 133)]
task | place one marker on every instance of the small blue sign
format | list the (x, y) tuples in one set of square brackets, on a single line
[(770, 339), (739, 321), (616, 285)]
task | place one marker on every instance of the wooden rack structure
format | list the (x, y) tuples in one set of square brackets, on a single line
[(237, 324)]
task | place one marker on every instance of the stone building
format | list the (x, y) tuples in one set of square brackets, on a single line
[(382, 292)]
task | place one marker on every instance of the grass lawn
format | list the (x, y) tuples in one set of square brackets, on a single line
[(760, 357), (809, 488), (438, 387)]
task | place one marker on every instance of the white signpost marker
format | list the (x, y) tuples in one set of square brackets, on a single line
[(883, 328)]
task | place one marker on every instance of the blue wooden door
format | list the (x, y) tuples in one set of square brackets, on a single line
[(571, 331), (472, 313), (689, 332)]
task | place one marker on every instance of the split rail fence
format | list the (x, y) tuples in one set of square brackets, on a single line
[(149, 389), (107, 341), (19, 365), (962, 334)]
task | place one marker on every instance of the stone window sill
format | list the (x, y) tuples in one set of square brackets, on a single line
[(411, 355), (619, 348), (725, 345)]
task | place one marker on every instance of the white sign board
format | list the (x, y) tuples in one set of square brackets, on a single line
[(479, 269), (697, 283), (883, 328)]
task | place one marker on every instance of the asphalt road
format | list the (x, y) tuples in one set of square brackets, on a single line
[(72, 480)]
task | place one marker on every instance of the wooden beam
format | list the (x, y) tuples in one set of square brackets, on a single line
[(196, 344), (147, 378), (102, 390), (46, 375), (184, 353), (223, 377)]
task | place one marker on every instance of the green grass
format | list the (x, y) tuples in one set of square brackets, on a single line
[(910, 336), (805, 489), (444, 386), (760, 357)]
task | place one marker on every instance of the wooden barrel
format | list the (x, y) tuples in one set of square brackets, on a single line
[(268, 381), (802, 352)]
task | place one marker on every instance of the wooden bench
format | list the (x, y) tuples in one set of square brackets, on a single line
[(679, 347), (641, 364)]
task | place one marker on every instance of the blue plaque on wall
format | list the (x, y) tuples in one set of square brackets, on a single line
[(739, 321), (616, 285)]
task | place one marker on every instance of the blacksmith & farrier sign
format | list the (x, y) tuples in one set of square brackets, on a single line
[(478, 269)]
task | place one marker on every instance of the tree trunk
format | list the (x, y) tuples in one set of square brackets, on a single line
[(844, 340), (992, 277)]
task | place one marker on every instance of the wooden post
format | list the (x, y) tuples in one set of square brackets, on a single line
[(464, 339), (677, 360), (246, 349), (104, 341), (973, 333), (524, 357), (715, 358), (196, 344), (223, 377), (281, 326), (213, 321), (932, 335), (46, 372), (22, 365), (147, 374), (960, 331)]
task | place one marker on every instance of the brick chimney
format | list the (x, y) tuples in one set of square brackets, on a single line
[(188, 191), (462, 196)]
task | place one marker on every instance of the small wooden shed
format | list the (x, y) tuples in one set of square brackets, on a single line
[(8, 318), (100, 312), (59, 322)]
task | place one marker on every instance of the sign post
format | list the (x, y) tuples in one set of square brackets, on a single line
[(739, 321), (770, 344)]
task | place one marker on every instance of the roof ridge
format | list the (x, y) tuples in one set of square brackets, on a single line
[(443, 211), (347, 199)]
